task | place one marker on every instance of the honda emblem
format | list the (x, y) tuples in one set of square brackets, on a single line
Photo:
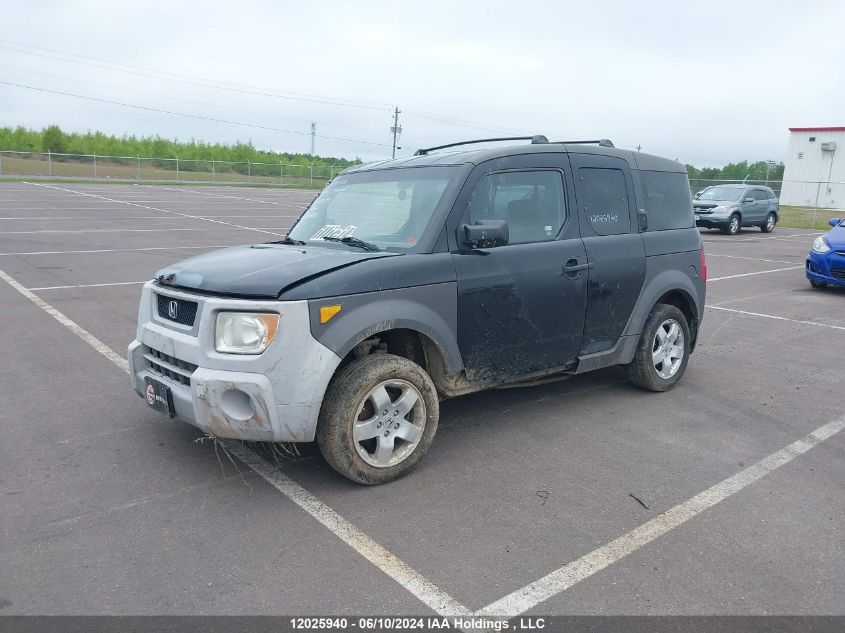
[(173, 309)]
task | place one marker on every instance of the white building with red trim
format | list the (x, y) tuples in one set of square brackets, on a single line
[(814, 173)]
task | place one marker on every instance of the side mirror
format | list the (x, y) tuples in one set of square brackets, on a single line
[(749, 199), (698, 194), (834, 221), (486, 233)]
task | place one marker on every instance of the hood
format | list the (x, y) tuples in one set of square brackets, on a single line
[(836, 237), (259, 270), (710, 204)]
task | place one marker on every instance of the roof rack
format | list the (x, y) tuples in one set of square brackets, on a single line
[(602, 142), (537, 139)]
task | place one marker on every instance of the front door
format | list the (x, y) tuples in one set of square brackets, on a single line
[(520, 305)]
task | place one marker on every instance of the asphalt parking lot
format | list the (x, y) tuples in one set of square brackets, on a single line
[(526, 500)]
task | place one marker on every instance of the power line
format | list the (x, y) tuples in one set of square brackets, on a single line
[(201, 84), (187, 76), (190, 116), (449, 120), (245, 88), (181, 100)]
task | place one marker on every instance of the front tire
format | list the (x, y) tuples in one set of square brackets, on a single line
[(378, 418), (818, 284), (663, 351), (734, 225), (769, 225)]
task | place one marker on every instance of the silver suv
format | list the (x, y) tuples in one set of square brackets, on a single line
[(731, 207)]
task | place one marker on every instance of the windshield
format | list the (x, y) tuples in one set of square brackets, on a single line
[(390, 208), (722, 193)]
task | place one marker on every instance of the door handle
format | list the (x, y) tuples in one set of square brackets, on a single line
[(571, 268)]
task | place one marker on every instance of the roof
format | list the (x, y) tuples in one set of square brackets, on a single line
[(817, 129), (636, 160)]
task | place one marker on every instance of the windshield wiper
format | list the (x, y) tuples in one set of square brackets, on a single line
[(354, 241), (289, 240)]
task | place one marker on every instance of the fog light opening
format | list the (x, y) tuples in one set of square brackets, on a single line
[(237, 404)]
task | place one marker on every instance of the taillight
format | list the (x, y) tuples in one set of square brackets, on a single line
[(703, 268)]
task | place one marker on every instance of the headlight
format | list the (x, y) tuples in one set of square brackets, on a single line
[(721, 209), (244, 332), (821, 245)]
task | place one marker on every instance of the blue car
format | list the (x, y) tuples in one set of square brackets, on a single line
[(826, 262)]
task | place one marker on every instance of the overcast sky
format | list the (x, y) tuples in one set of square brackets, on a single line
[(705, 82)]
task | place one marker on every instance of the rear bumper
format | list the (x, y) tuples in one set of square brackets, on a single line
[(272, 397), (827, 268)]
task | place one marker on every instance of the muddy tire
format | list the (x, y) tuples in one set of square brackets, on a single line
[(663, 350), (378, 418)]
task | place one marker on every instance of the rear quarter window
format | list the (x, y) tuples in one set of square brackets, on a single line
[(667, 200), (604, 198)]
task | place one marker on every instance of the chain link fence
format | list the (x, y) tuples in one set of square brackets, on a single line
[(139, 168), (699, 184)]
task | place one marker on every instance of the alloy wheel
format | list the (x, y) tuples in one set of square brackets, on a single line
[(667, 350), (389, 423)]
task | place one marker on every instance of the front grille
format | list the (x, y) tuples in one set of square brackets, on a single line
[(839, 273), (177, 310), (169, 366)]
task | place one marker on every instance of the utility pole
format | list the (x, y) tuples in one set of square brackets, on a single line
[(396, 129), (769, 165), (639, 147), (313, 138)]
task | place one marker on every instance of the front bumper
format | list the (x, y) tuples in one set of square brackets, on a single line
[(826, 268), (273, 397), (711, 221)]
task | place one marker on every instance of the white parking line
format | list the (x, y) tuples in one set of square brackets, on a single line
[(219, 195), (565, 577), (143, 206), (778, 318), (785, 238), (117, 250), (753, 259), (759, 272), (421, 588), (536, 592), (167, 230), (114, 283), (81, 332), (133, 217)]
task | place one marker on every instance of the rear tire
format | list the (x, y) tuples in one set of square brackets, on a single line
[(378, 418), (663, 351), (769, 225)]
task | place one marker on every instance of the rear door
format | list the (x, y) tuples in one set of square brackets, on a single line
[(607, 210), (521, 305), (761, 208)]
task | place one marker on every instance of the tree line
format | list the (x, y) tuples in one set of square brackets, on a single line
[(57, 141), (760, 170)]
